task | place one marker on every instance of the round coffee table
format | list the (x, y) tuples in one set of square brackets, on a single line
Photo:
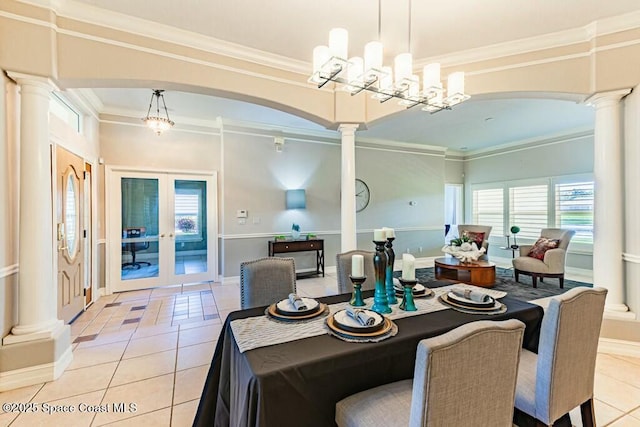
[(479, 273)]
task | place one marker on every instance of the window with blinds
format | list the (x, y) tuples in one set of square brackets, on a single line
[(187, 212), (574, 209), (528, 209), (488, 209)]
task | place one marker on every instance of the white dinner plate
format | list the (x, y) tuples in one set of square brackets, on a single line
[(469, 302), (348, 323), (285, 306)]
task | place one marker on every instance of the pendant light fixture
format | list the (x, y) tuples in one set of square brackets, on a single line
[(332, 64), (156, 123)]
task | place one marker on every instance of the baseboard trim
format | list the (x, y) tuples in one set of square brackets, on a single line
[(619, 347), (18, 378)]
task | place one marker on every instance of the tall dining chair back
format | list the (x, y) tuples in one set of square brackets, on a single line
[(465, 377), (561, 376), (134, 247), (266, 280), (343, 268)]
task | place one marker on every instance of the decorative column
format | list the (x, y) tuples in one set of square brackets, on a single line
[(608, 231), (37, 293), (348, 203), (631, 255)]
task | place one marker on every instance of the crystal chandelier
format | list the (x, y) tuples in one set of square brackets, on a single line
[(332, 64), (156, 123)]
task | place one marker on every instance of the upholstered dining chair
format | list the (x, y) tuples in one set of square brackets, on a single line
[(266, 280), (471, 230), (343, 268), (552, 263), (561, 376), (465, 377)]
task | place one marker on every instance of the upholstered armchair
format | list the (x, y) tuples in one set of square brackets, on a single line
[(266, 280), (560, 376), (471, 230), (465, 377), (552, 263), (343, 268)]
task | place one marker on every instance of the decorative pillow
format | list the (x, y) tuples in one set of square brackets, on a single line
[(475, 236), (542, 246)]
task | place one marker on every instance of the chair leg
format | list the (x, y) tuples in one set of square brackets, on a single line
[(516, 273), (534, 279), (561, 279), (588, 416), (541, 279)]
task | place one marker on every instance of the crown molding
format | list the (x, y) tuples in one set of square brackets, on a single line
[(388, 144), (117, 21), (528, 143), (85, 100), (531, 44), (114, 20)]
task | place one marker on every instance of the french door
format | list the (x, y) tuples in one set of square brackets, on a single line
[(162, 229)]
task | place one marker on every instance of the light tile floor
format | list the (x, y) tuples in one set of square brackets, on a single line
[(152, 349)]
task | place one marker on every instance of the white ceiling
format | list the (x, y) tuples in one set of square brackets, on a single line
[(291, 28)]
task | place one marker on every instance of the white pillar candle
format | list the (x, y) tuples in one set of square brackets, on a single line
[(379, 235), (357, 266), (408, 267), (389, 232)]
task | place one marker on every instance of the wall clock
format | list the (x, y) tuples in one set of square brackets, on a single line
[(362, 195)]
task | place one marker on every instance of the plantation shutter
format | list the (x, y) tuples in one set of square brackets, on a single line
[(488, 209)]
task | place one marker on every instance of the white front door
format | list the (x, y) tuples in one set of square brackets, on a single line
[(162, 229)]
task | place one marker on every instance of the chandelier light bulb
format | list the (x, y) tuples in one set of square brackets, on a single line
[(354, 73), (321, 56), (373, 56), (386, 83), (403, 64), (455, 84), (431, 76), (339, 43)]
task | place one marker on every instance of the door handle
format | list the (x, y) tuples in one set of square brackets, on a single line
[(162, 236), (171, 235)]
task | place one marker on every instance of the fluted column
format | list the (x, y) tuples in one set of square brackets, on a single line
[(37, 294), (348, 202), (608, 202)]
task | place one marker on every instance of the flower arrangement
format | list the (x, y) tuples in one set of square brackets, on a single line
[(186, 225)]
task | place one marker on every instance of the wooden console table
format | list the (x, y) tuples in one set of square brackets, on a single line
[(285, 246), (479, 273)]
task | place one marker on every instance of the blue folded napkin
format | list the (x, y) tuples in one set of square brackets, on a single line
[(360, 316), (297, 302)]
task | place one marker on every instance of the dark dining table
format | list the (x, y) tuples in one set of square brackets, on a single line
[(299, 382)]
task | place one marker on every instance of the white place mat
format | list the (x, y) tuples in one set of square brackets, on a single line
[(261, 331)]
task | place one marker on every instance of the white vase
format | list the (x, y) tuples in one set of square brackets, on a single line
[(295, 234)]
